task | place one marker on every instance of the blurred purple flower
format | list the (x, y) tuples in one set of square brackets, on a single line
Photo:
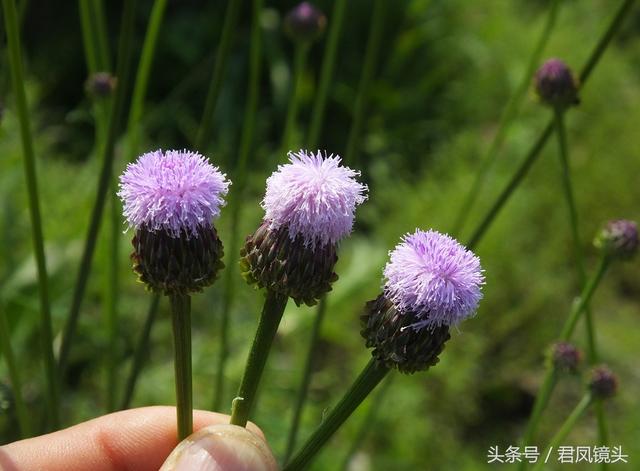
[(314, 197), (555, 84), (434, 277), (174, 191)]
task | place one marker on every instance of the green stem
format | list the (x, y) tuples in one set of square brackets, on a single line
[(508, 115), (142, 77), (88, 38), (549, 381), (566, 427), (124, 55), (533, 154), (326, 73), (236, 200), (228, 28), (181, 317), (22, 413), (368, 68), (299, 63), (542, 398), (272, 311), (303, 390), (372, 374), (111, 306), (367, 423), (140, 353), (46, 330), (102, 39)]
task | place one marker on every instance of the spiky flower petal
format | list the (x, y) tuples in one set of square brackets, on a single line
[(433, 276), (314, 197)]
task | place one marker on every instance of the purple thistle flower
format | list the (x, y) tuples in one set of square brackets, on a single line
[(434, 277), (175, 191), (314, 197), (305, 22), (555, 84)]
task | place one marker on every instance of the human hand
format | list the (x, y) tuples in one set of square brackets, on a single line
[(141, 440)]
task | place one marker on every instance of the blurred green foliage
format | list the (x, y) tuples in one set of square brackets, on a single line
[(446, 71)]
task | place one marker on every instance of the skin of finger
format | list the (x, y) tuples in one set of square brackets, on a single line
[(232, 447), (136, 439)]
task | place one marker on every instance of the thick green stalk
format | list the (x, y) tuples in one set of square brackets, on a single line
[(299, 63), (368, 69), (272, 311), (46, 330), (181, 317), (102, 38), (141, 352), (303, 390), (228, 28), (326, 73), (549, 381), (370, 377), (142, 77), (236, 199), (592, 352), (22, 414), (88, 38), (111, 302), (534, 153), (122, 71), (508, 115), (567, 426)]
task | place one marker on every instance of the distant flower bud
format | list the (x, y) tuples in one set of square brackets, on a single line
[(101, 84), (171, 198), (432, 283), (555, 84), (618, 238), (566, 357), (305, 22), (603, 383), (309, 207)]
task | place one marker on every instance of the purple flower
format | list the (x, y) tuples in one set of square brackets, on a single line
[(434, 277), (555, 84), (174, 191), (314, 197), (305, 22)]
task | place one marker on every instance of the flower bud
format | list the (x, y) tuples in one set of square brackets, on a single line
[(305, 22), (555, 84), (603, 383), (565, 357), (618, 238), (101, 84)]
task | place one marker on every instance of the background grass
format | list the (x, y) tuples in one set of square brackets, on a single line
[(447, 70)]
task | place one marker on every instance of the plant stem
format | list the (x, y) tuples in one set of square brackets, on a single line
[(303, 390), (299, 63), (141, 351), (228, 28), (272, 311), (100, 26), (371, 375), (508, 115), (533, 154), (46, 330), (122, 71), (142, 77), (236, 200), (549, 381), (592, 352), (566, 427), (326, 73), (542, 398), (181, 317), (368, 68), (22, 414)]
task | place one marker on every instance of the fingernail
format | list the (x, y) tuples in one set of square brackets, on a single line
[(221, 448)]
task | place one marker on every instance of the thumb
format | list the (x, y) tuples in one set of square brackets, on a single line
[(221, 448)]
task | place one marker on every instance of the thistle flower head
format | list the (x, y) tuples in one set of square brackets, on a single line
[(565, 356), (434, 277), (314, 197), (555, 84), (305, 22), (175, 191), (603, 383), (101, 84), (618, 238)]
